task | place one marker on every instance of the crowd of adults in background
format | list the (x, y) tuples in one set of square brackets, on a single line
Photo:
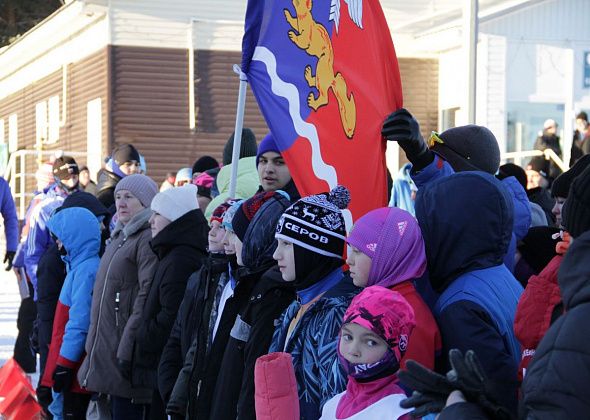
[(468, 296)]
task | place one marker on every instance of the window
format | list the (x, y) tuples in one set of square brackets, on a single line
[(47, 121), (53, 119)]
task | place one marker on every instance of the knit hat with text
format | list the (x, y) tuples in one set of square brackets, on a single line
[(316, 222)]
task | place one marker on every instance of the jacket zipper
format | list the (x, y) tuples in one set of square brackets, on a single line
[(104, 287)]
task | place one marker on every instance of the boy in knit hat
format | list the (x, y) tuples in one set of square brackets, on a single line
[(458, 149), (311, 240), (387, 250), (272, 169), (179, 240)]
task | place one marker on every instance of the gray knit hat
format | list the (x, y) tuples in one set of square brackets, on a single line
[(248, 146), (469, 148), (141, 186)]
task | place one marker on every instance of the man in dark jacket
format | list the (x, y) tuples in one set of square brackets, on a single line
[(466, 221), (179, 233), (193, 316), (124, 161), (254, 226)]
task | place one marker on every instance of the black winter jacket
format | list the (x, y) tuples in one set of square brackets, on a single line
[(107, 181), (193, 315), (249, 339), (181, 248), (206, 366)]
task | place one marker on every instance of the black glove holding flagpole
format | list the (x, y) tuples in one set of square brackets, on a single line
[(402, 127)]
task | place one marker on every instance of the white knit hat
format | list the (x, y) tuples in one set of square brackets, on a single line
[(176, 202)]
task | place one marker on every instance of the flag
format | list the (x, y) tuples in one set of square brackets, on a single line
[(325, 76)]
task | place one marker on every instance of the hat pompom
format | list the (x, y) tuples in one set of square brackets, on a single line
[(340, 197)]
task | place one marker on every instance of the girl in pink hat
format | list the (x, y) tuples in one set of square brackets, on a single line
[(387, 249), (373, 339)]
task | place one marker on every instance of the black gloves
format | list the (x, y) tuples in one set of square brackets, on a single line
[(124, 368), (468, 376), (402, 127), (431, 389), (8, 257), (63, 377)]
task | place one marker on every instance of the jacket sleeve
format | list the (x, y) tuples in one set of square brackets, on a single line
[(276, 388), (153, 333), (438, 168), (38, 240), (463, 411), (172, 357), (8, 211), (258, 343), (76, 329), (146, 267), (178, 401), (465, 325)]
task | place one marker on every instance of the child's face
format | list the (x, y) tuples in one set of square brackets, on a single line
[(360, 266), (285, 257), (361, 345), (238, 247), (228, 244), (216, 236)]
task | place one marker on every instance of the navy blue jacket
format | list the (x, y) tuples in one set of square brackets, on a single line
[(467, 221)]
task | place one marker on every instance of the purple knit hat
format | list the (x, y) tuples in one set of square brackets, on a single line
[(392, 239), (268, 144)]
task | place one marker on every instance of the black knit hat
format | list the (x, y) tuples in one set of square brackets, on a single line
[(538, 246), (540, 164), (576, 210), (204, 163), (510, 169), (64, 167), (469, 148), (125, 153), (316, 222), (248, 146), (561, 185)]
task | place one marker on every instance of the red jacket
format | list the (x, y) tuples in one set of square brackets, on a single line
[(534, 311), (425, 342)]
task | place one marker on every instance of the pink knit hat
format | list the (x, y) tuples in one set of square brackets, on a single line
[(384, 312), (392, 239)]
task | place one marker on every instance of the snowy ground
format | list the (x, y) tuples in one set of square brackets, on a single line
[(9, 303)]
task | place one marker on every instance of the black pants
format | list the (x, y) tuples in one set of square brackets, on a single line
[(75, 405), (24, 354)]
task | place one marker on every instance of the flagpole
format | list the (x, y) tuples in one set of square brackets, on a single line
[(238, 130)]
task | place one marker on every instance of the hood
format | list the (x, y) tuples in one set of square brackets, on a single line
[(190, 230), (87, 201), (405, 172), (466, 221), (79, 231), (522, 208), (574, 273), (259, 240)]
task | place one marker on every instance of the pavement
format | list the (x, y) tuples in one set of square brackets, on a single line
[(9, 304)]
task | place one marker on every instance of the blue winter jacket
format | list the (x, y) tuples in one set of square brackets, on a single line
[(79, 231), (8, 210), (39, 239), (466, 221), (440, 168), (312, 345)]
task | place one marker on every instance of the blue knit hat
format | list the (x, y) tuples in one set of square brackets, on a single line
[(267, 144)]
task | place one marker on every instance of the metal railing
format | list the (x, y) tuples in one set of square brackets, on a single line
[(19, 177), (548, 153)]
